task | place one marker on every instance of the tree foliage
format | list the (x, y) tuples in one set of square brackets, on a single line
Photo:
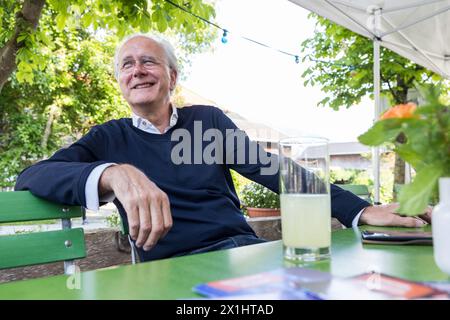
[(341, 62), (120, 17), (427, 147), (64, 81)]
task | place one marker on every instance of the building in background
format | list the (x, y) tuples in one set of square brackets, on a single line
[(266, 136), (349, 155)]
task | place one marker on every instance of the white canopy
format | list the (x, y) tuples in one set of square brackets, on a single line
[(415, 29)]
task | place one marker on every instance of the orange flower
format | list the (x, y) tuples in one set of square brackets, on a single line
[(400, 111)]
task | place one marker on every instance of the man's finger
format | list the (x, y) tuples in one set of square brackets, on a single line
[(410, 222), (427, 215), (133, 220), (145, 226), (157, 224), (167, 215)]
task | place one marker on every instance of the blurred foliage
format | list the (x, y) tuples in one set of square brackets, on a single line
[(254, 195), (115, 17), (427, 148), (114, 220), (239, 181), (356, 176)]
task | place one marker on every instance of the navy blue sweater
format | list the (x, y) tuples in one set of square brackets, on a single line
[(204, 204)]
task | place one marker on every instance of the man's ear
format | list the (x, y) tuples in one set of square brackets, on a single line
[(173, 79)]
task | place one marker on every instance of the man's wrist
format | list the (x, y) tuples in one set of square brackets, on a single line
[(364, 213), (106, 178), (92, 187), (356, 219)]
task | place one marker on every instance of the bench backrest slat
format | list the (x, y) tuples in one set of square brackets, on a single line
[(23, 206), (41, 247), (360, 190)]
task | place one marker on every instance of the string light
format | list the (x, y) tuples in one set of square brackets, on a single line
[(224, 36), (226, 32)]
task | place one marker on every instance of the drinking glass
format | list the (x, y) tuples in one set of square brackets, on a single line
[(305, 198)]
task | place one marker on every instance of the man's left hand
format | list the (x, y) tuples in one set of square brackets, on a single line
[(385, 215)]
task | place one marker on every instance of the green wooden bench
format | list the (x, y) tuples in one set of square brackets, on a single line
[(360, 190), (34, 248)]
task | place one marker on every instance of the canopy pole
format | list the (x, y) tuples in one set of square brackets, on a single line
[(376, 91)]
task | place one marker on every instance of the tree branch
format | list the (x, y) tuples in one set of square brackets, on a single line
[(390, 88), (26, 19)]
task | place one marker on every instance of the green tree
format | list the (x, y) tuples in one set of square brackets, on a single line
[(64, 81), (23, 37), (74, 91), (341, 61)]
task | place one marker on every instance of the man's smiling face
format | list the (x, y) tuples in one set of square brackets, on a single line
[(145, 78)]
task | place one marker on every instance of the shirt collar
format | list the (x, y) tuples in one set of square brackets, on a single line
[(147, 126)]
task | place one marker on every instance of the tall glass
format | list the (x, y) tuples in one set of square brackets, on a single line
[(305, 198)]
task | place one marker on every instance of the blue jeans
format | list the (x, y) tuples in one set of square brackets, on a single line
[(228, 243)]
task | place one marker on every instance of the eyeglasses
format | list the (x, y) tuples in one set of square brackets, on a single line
[(149, 63)]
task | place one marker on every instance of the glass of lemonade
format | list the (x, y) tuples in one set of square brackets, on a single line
[(305, 198)]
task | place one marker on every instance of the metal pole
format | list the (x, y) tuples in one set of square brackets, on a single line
[(69, 265), (407, 173), (376, 91)]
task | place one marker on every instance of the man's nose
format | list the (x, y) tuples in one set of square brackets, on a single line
[(139, 70)]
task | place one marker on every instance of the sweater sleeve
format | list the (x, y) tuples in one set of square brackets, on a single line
[(263, 168), (62, 178)]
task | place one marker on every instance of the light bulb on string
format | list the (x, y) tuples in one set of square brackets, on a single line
[(225, 31), (224, 36)]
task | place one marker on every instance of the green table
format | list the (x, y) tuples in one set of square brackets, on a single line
[(174, 278)]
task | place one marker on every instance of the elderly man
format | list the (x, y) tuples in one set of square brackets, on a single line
[(172, 207)]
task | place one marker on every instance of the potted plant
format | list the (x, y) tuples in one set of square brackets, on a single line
[(258, 201)]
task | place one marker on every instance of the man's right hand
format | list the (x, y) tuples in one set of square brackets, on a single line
[(147, 206)]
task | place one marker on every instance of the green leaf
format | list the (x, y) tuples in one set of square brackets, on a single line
[(145, 24), (407, 153), (44, 39), (162, 25), (61, 21), (22, 36), (86, 20), (25, 67), (20, 76), (383, 131), (307, 72), (429, 109), (325, 101), (414, 197)]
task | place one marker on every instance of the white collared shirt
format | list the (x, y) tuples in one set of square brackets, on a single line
[(147, 126)]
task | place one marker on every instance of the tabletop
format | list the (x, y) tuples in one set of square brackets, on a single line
[(174, 278)]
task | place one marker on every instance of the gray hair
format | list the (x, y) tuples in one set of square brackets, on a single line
[(165, 45)]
